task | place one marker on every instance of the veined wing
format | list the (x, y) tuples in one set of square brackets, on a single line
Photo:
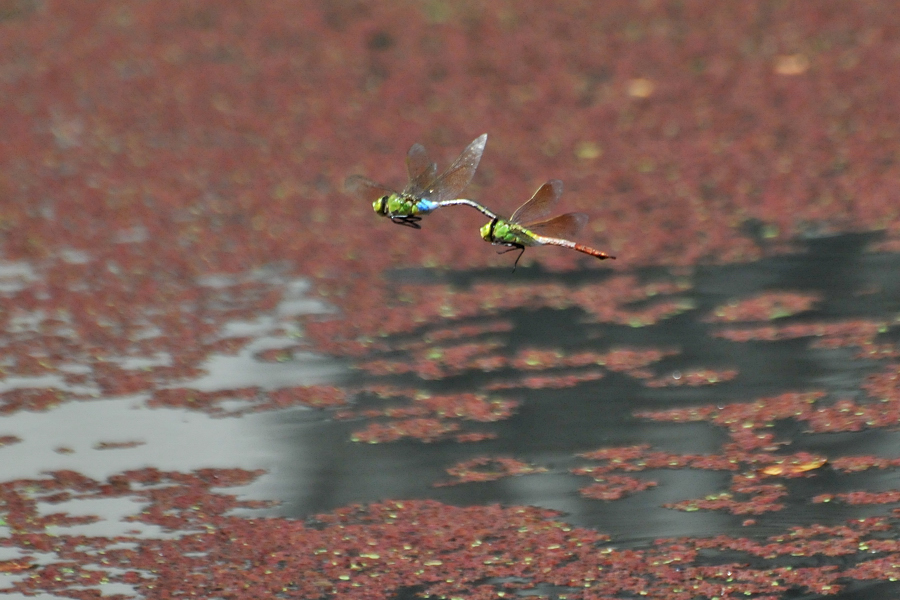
[(421, 170), (563, 227), (365, 189), (540, 205), (452, 181)]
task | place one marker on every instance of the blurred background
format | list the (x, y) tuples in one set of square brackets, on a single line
[(186, 290)]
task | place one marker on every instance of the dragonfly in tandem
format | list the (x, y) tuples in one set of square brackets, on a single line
[(529, 225), (425, 191)]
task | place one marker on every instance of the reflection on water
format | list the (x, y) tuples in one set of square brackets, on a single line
[(103, 437), (72, 437), (314, 467), (551, 426), (94, 438)]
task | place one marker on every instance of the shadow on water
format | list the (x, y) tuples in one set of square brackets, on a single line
[(552, 426)]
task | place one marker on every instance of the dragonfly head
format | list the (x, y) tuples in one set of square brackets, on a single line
[(381, 205), (487, 232)]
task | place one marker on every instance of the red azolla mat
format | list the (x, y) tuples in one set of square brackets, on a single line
[(169, 171), (382, 549)]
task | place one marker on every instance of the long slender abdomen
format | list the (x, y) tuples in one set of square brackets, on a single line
[(472, 203), (570, 244), (591, 251)]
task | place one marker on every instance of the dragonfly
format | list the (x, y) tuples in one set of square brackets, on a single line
[(529, 225), (425, 191)]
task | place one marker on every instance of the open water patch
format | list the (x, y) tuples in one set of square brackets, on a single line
[(552, 426)]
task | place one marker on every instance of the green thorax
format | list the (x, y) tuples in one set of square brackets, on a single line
[(501, 231), (396, 205)]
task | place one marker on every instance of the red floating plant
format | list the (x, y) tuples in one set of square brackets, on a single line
[(488, 469)]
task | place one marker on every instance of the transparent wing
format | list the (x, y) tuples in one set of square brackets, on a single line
[(541, 204), (452, 181), (563, 227), (365, 189), (421, 170)]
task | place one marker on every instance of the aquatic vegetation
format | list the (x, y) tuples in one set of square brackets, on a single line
[(764, 307), (426, 430), (250, 399), (377, 550), (859, 498), (6, 440), (858, 332), (117, 445), (487, 468), (430, 417), (168, 174), (693, 378), (538, 382), (613, 487)]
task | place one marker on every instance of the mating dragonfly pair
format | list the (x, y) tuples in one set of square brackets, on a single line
[(426, 192)]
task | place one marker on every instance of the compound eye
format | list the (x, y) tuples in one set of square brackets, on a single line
[(380, 205)]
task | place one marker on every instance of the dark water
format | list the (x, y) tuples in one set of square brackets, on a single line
[(551, 426)]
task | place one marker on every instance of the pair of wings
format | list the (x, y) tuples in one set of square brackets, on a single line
[(424, 183), (533, 214)]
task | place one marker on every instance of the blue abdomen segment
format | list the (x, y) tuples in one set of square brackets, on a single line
[(426, 206)]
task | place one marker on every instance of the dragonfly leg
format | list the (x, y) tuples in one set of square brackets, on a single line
[(407, 221), (512, 247)]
